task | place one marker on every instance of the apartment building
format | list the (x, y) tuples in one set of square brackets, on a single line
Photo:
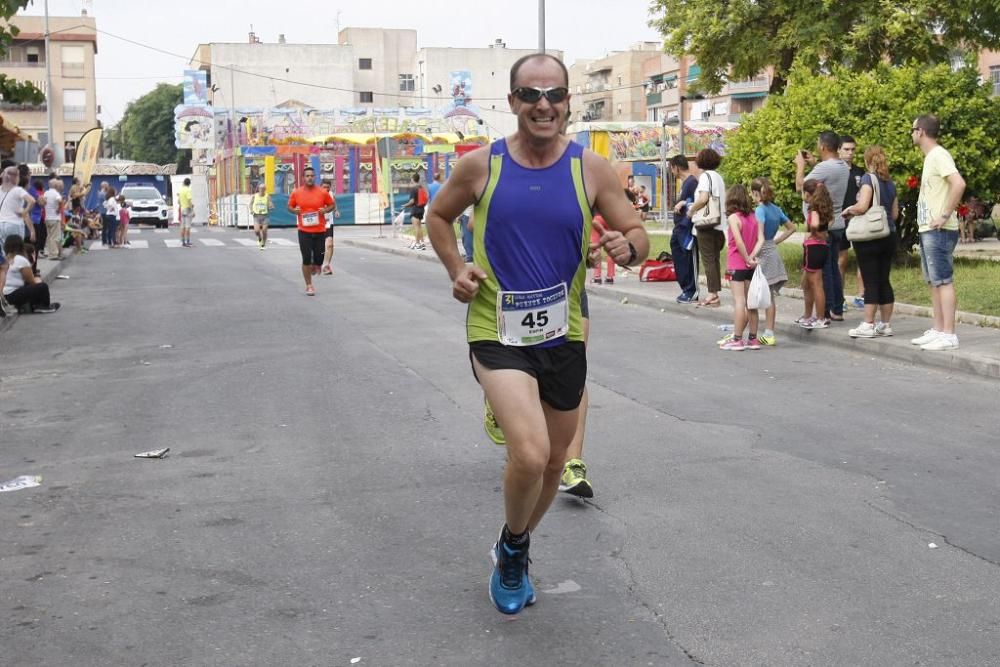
[(670, 79), (612, 88), (72, 47), (489, 73)]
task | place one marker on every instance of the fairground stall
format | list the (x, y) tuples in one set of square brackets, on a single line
[(368, 160), (641, 149)]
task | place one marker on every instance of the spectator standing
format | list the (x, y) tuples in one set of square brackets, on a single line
[(848, 148), (124, 217), (771, 263), (15, 205), (110, 229), (185, 200), (683, 245), (36, 190), (833, 173), (465, 226), (417, 204), (52, 201), (711, 239), (815, 253), (941, 189), (875, 256), (746, 236), (598, 229), (433, 187)]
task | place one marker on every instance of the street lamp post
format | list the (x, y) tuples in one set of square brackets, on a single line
[(541, 26), (663, 174), (48, 80)]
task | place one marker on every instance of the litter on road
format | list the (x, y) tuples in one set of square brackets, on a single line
[(153, 454), (22, 482)]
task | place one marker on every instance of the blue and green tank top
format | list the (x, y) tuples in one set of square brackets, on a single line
[(534, 235)]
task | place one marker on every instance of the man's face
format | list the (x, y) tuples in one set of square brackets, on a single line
[(915, 133), (310, 177), (847, 152), (542, 119)]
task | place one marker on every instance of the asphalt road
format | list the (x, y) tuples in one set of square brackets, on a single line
[(330, 495)]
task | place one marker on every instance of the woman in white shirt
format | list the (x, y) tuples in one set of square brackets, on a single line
[(111, 208), (23, 289), (15, 207), (711, 238)]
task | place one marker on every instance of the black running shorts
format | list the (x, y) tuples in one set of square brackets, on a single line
[(417, 212), (814, 257), (329, 232), (561, 371), (312, 245)]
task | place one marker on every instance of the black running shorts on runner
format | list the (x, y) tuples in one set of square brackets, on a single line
[(329, 232), (417, 212), (561, 371), (312, 245)]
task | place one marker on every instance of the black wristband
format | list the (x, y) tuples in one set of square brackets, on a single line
[(631, 256)]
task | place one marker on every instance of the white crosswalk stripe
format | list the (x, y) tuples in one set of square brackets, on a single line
[(246, 242), (138, 243), (161, 231), (96, 245), (172, 243), (282, 242), (211, 242), (145, 244)]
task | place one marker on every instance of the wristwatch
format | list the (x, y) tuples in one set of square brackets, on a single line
[(631, 256)]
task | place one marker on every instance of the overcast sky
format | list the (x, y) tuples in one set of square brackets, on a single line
[(580, 28)]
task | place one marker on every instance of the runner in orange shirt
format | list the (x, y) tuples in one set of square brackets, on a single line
[(310, 204)]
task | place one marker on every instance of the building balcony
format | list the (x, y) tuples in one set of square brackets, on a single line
[(756, 84), (654, 99), (20, 64)]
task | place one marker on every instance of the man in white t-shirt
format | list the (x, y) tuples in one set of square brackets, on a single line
[(941, 189), (53, 199)]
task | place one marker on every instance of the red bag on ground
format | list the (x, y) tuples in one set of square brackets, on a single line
[(654, 271)]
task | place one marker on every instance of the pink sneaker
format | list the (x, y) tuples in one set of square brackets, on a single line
[(733, 346), (752, 344)]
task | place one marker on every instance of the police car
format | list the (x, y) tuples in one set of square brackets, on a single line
[(146, 204)]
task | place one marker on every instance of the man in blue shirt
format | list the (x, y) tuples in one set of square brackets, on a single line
[(682, 241), (433, 187)]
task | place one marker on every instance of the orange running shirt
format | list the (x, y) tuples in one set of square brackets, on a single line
[(310, 201)]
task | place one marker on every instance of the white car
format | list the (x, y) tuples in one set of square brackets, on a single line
[(146, 204)]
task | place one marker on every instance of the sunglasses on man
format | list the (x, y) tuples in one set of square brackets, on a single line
[(531, 95)]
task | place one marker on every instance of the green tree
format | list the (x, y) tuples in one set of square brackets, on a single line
[(740, 38), (11, 91), (146, 130), (875, 107)]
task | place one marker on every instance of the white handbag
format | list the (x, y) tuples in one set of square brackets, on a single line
[(873, 224), (710, 215)]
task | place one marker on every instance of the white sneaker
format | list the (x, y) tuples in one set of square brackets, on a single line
[(926, 337), (864, 330), (883, 329), (941, 343)]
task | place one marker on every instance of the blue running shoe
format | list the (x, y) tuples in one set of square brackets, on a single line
[(510, 588)]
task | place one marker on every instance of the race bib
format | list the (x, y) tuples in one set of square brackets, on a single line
[(310, 219), (529, 318)]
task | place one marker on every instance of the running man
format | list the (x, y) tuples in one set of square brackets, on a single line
[(534, 192), (261, 207), (417, 204), (186, 201), (328, 244), (310, 204)]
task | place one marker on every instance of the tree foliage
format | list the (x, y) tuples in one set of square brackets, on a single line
[(740, 38), (146, 130), (875, 107), (15, 92)]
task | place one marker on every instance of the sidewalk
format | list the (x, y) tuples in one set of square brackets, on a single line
[(979, 353)]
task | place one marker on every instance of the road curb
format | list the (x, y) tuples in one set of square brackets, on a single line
[(964, 362), (969, 363)]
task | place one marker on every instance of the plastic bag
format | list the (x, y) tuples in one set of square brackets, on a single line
[(759, 296), (397, 223)]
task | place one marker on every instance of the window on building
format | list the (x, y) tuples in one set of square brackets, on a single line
[(72, 61), (619, 109), (619, 80), (32, 54), (69, 150), (367, 97), (74, 104), (364, 63), (406, 83), (995, 78)]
